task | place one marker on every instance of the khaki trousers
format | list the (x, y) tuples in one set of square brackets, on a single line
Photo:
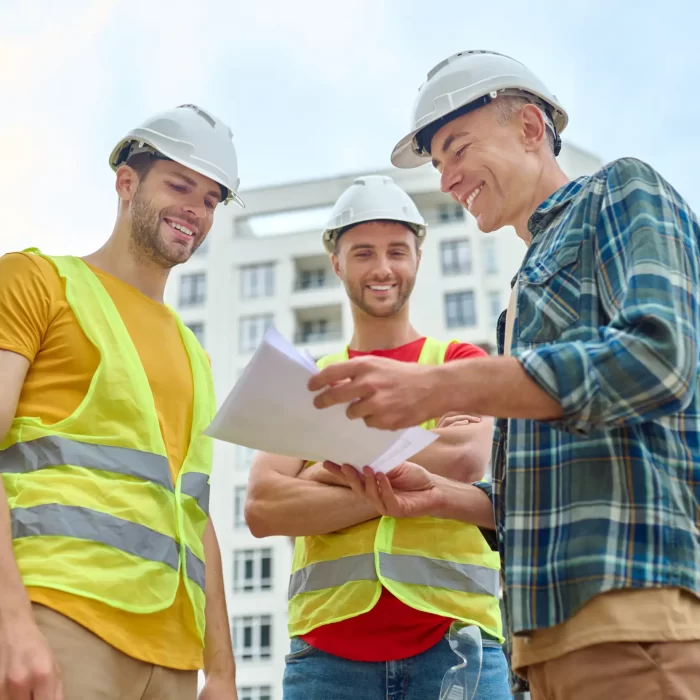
[(93, 670), (620, 671)]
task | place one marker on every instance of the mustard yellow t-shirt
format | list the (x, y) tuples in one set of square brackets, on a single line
[(36, 322)]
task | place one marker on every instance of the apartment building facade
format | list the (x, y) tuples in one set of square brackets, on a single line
[(265, 265)]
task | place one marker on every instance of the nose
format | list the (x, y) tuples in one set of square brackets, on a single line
[(449, 179), (383, 269), (196, 208)]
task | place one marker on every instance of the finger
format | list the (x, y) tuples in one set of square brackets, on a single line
[(333, 373), (391, 503), (461, 422), (44, 687), (342, 393), (354, 479), (361, 408), (373, 492), (459, 418), (333, 468), (447, 415)]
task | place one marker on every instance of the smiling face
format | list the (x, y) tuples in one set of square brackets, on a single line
[(491, 165), (171, 212), (377, 262)]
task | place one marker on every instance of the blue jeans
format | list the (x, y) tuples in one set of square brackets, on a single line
[(311, 674)]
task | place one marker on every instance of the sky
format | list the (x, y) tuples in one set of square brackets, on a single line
[(312, 88)]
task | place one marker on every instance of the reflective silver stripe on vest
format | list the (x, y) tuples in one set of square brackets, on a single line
[(439, 573), (436, 573), (87, 524), (53, 451), (196, 484), (328, 574), (195, 568)]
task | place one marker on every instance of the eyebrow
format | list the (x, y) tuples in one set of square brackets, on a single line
[(369, 246), (192, 183), (448, 142)]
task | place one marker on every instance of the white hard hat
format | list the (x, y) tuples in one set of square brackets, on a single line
[(465, 81), (190, 136), (372, 198)]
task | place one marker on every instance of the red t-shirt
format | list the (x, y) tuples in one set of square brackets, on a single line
[(391, 630)]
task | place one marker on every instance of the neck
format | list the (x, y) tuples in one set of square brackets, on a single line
[(117, 258), (550, 179), (372, 333)]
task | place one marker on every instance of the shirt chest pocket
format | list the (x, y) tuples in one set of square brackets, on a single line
[(549, 296)]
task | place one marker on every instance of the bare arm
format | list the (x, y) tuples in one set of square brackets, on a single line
[(461, 452), (219, 664), (280, 503), (13, 370)]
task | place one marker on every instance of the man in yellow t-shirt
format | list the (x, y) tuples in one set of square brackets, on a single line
[(55, 644)]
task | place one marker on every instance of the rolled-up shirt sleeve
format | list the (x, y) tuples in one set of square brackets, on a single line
[(643, 364)]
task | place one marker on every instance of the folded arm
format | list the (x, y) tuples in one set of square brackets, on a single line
[(279, 502)]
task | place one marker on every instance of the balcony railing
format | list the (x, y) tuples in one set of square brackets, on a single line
[(326, 281), (328, 334)]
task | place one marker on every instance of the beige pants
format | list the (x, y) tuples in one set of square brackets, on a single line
[(93, 670), (620, 671)]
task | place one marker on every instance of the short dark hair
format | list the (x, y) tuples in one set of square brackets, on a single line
[(142, 164)]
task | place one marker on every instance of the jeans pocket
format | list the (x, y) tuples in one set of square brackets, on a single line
[(299, 649)]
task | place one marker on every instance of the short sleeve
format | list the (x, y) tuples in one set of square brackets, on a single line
[(25, 303), (463, 351)]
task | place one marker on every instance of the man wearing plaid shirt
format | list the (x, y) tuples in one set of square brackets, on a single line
[(596, 462)]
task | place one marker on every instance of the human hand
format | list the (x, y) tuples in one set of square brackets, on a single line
[(407, 491), (317, 473), (28, 669), (454, 419), (385, 393)]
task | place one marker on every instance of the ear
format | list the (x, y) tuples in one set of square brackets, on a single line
[(419, 257), (534, 129), (336, 265), (126, 183)]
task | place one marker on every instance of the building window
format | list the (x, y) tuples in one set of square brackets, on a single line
[(490, 261), (239, 507), (193, 289), (451, 212), (244, 458), (312, 279), (318, 330), (255, 692), (252, 637), (494, 303), (251, 330), (455, 256), (252, 570), (460, 311), (198, 330), (257, 281)]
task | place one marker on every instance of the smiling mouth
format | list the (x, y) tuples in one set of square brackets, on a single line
[(180, 228), (380, 287), (472, 196)]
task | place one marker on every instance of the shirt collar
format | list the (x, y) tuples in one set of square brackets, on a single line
[(554, 204)]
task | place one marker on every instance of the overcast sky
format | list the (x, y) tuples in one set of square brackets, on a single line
[(312, 87)]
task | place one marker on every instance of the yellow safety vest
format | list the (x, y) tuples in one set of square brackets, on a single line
[(93, 508), (444, 567)]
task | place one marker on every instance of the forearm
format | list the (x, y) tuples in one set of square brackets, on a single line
[(295, 507), (460, 453), (218, 652), (14, 598), (463, 502), (492, 386)]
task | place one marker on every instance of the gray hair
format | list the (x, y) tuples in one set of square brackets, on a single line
[(509, 104)]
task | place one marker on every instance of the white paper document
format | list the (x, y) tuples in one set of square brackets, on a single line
[(271, 409)]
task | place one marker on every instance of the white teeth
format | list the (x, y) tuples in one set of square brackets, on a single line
[(472, 197), (180, 227), (378, 288)]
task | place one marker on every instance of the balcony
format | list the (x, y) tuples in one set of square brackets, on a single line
[(310, 333)]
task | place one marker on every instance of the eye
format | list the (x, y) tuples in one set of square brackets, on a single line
[(177, 188), (398, 253), (460, 152), (209, 204)]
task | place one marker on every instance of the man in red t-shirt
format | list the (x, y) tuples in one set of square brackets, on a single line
[(340, 650)]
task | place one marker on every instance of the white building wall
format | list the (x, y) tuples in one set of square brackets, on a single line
[(229, 247)]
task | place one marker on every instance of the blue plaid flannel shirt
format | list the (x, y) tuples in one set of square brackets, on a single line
[(607, 323)]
